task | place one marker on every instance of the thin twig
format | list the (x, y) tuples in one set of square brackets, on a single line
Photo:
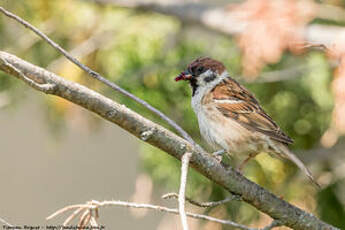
[(93, 222), (8, 224), (317, 46), (100, 38), (181, 199), (95, 204), (84, 219), (99, 77), (5, 222), (72, 216), (67, 208), (203, 204)]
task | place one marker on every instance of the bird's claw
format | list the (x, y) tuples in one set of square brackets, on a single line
[(219, 154)]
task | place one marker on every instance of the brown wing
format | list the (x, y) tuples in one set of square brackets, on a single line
[(236, 102)]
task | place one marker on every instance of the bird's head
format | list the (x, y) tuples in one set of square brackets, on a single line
[(201, 72)]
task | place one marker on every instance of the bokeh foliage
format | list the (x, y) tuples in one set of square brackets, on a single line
[(143, 52)]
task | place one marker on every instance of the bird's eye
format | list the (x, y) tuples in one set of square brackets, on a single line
[(200, 70), (190, 70)]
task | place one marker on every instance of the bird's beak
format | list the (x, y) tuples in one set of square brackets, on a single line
[(184, 76)]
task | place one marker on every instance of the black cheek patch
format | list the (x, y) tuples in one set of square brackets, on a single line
[(210, 78), (193, 83)]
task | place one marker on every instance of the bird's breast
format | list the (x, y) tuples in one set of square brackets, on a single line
[(221, 132)]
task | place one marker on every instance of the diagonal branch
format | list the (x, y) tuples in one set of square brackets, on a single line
[(95, 205), (99, 77), (156, 135)]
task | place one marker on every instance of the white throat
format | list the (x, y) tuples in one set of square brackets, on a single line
[(203, 89)]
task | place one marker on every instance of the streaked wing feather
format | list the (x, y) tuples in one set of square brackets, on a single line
[(246, 110)]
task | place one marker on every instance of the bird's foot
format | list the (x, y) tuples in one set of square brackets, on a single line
[(219, 154), (241, 166)]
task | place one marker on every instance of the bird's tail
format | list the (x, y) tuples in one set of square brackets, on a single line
[(288, 154)]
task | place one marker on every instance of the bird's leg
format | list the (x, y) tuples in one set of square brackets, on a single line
[(219, 154), (252, 155)]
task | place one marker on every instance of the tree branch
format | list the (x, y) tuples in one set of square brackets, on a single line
[(167, 141), (5, 223), (95, 205), (97, 76)]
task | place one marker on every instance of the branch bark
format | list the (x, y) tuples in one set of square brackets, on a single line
[(163, 139)]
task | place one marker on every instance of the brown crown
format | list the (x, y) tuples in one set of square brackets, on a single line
[(207, 63)]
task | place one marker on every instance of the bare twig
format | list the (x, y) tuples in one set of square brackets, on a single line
[(100, 38), (8, 224), (93, 222), (317, 46), (84, 219), (96, 204), (203, 204), (181, 199), (5, 222), (72, 216), (100, 77)]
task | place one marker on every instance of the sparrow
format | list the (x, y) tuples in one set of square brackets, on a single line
[(230, 117)]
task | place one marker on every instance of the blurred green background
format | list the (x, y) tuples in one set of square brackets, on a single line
[(143, 52)]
